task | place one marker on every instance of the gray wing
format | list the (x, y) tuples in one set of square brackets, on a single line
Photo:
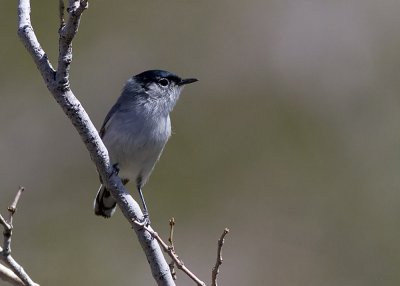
[(109, 115), (103, 127)]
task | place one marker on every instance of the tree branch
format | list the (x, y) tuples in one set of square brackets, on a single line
[(5, 252), (58, 84), (7, 275), (28, 37)]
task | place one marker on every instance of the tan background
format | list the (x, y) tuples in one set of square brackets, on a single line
[(290, 138)]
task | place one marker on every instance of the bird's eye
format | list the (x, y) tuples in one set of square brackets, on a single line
[(163, 81)]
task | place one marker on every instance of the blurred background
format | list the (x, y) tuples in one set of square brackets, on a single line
[(291, 139)]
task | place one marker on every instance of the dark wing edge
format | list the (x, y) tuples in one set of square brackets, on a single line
[(109, 115)]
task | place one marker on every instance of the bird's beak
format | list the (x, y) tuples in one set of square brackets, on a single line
[(187, 81)]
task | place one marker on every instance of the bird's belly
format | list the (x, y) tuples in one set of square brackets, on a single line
[(136, 150), (138, 161)]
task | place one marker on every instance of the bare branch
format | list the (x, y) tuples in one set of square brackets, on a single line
[(8, 276), (218, 263), (58, 84), (67, 33), (179, 263), (19, 271), (5, 252), (28, 37)]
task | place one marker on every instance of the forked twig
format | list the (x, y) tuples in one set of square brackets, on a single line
[(5, 251), (171, 252)]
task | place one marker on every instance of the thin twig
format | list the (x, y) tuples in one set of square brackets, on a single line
[(5, 252), (171, 231), (171, 253), (13, 207), (171, 242), (218, 263)]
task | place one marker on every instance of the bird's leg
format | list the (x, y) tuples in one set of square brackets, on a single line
[(116, 168), (146, 217)]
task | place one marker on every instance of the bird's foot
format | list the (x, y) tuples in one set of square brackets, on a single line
[(146, 219)]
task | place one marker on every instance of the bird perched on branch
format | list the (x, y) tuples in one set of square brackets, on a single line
[(136, 130)]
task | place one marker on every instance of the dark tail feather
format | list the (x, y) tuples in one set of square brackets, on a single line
[(104, 204)]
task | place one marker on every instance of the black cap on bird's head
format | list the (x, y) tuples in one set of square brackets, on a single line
[(157, 89), (162, 77)]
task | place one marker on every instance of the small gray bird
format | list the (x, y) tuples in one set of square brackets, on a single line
[(136, 130)]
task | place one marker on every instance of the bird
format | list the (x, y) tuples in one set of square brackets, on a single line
[(136, 129)]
